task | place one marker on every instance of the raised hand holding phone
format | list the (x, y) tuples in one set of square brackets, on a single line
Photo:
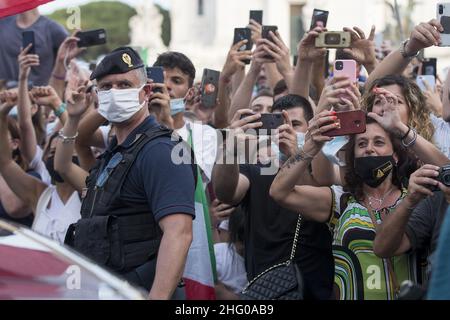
[(26, 61)]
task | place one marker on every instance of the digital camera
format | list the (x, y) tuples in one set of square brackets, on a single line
[(333, 39)]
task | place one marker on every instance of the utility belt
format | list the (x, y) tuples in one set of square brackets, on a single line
[(119, 243)]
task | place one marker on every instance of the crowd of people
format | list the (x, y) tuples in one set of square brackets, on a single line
[(87, 159)]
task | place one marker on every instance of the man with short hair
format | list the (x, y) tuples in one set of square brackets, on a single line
[(138, 209), (48, 36), (269, 228)]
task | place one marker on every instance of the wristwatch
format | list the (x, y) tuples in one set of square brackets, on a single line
[(403, 51)]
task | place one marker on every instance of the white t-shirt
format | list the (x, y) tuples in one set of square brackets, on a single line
[(204, 139), (441, 134), (38, 165), (53, 217), (230, 267)]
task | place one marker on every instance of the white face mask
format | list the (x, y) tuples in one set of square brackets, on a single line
[(332, 148), (119, 105), (177, 106)]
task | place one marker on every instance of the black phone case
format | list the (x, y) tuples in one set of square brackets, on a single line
[(27, 38), (445, 22), (270, 121), (157, 75), (256, 15), (91, 38), (241, 34), (265, 35), (319, 15), (210, 87)]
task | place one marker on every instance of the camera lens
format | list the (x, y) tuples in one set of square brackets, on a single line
[(332, 38), (446, 179), (339, 65), (441, 9)]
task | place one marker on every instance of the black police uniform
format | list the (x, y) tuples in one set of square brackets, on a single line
[(115, 232)]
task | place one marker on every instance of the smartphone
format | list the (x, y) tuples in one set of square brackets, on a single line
[(319, 18), (157, 75), (265, 32), (243, 34), (91, 37), (345, 68), (430, 79), (270, 121), (443, 16), (256, 15), (209, 87), (429, 67), (27, 38), (265, 35), (352, 122), (333, 39)]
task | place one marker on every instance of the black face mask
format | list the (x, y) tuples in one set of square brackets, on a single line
[(50, 165), (374, 170)]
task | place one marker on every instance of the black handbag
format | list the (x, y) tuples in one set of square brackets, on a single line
[(282, 281)]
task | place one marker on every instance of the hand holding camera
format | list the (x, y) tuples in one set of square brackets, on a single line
[(307, 51), (362, 49), (424, 181)]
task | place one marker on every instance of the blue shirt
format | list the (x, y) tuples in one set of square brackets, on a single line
[(166, 187), (48, 36)]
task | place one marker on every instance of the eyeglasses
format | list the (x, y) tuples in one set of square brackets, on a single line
[(112, 164)]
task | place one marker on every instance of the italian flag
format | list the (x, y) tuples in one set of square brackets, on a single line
[(12, 7), (200, 270)]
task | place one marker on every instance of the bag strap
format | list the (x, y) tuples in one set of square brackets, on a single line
[(297, 233)]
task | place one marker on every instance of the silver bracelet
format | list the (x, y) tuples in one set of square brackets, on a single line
[(66, 139), (407, 145)]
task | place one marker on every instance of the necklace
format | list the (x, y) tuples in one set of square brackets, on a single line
[(380, 200)]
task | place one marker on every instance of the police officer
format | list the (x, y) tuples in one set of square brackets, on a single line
[(138, 208)]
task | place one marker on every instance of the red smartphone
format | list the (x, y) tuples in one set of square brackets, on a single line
[(352, 122)]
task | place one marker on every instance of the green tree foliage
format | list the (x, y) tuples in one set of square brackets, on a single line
[(166, 31), (113, 16)]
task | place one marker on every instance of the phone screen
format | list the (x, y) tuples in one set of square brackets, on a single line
[(319, 19), (27, 38), (256, 15)]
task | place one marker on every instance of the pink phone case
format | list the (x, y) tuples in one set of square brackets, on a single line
[(348, 69), (345, 68)]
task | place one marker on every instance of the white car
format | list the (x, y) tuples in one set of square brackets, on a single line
[(35, 267)]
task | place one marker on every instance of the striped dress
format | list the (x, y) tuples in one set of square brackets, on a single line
[(359, 273)]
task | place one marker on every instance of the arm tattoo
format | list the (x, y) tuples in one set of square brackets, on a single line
[(299, 156)]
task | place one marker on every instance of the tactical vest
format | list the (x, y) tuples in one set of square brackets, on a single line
[(116, 233)]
